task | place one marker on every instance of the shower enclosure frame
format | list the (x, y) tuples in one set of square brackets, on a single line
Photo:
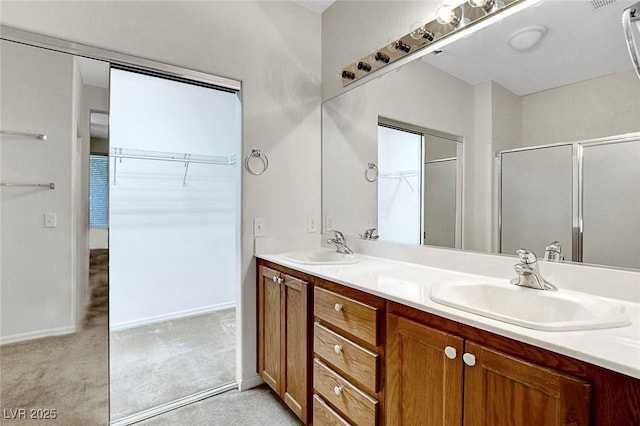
[(577, 201)]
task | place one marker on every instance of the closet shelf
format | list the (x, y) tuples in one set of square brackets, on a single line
[(186, 158), (399, 175)]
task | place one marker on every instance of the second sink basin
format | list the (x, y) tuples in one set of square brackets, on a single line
[(535, 309), (321, 257)]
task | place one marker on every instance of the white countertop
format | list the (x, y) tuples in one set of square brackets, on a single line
[(617, 349)]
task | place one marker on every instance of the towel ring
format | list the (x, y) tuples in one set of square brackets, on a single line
[(255, 153), (371, 177)]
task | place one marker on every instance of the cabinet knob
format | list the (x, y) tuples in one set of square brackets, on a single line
[(469, 359), (337, 307), (337, 390), (277, 280), (450, 352), (337, 348)]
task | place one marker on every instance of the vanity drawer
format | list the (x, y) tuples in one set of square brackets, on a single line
[(323, 415), (356, 318), (359, 407), (360, 363)]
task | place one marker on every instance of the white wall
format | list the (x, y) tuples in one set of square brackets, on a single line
[(173, 248), (600, 107), (37, 272), (273, 47)]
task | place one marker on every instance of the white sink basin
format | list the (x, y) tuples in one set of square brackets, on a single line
[(321, 257), (536, 309)]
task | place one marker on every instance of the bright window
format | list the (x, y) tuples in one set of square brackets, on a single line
[(99, 191)]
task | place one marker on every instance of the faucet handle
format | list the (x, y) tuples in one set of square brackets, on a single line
[(526, 256), (339, 236)]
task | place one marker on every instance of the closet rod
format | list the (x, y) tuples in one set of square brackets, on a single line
[(38, 136), (50, 185), (179, 160)]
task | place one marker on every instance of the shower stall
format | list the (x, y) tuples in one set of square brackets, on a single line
[(585, 195)]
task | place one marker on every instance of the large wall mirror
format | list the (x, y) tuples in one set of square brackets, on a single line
[(545, 108)]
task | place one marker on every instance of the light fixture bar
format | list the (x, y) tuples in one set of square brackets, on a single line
[(465, 19)]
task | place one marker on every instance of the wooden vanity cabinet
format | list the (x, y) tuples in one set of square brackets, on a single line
[(437, 378), (284, 336), (348, 352), (510, 382)]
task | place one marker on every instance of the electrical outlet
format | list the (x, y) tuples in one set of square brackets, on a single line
[(312, 224), (50, 220), (259, 226), (328, 223)]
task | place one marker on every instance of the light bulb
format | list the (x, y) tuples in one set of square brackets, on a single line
[(446, 15), (479, 3)]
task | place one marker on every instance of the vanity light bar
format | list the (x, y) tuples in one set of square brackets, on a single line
[(465, 16)]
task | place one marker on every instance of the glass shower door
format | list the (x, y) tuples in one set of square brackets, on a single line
[(611, 204)]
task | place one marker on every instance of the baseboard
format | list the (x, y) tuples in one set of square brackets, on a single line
[(38, 334), (249, 382), (171, 316)]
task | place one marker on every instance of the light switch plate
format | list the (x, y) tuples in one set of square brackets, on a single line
[(50, 220), (259, 226), (312, 224), (328, 223)]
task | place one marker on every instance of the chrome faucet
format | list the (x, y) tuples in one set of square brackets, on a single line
[(528, 272), (553, 252), (340, 242), (370, 234)]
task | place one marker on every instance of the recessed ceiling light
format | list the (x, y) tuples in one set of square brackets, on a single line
[(527, 38)]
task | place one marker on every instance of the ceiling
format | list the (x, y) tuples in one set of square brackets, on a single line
[(581, 44), (317, 6)]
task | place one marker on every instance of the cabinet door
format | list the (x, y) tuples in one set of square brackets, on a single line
[(424, 385), (295, 342), (269, 327), (502, 390)]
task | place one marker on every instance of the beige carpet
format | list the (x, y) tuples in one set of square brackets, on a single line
[(161, 362), (67, 373)]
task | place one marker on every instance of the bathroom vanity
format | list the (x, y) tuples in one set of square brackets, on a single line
[(368, 354)]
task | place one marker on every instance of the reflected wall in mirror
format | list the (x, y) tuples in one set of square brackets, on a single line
[(575, 84), (54, 330)]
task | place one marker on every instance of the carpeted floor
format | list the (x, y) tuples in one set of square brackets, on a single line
[(68, 374), (258, 406), (71, 373), (161, 362)]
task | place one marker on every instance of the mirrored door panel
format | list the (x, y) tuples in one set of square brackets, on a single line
[(53, 314)]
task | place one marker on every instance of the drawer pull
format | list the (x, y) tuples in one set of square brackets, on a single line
[(337, 307), (338, 349), (469, 359), (337, 390), (450, 352)]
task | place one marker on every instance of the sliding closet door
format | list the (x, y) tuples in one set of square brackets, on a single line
[(174, 239), (536, 201), (399, 185), (611, 204), (53, 334)]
